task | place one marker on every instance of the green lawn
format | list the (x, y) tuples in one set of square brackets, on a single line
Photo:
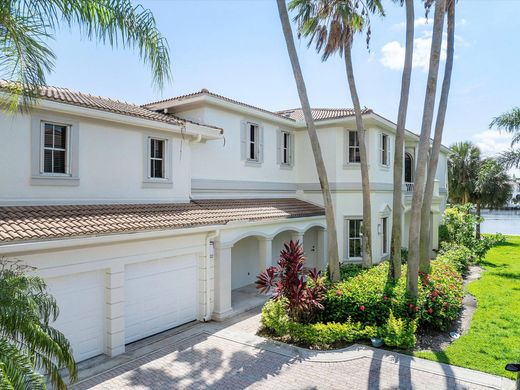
[(494, 335)]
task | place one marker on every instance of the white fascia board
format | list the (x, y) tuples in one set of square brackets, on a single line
[(71, 109)]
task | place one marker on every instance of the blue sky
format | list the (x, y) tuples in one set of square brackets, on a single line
[(236, 48)]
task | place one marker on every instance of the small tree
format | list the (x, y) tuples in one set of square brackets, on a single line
[(302, 289), (29, 346)]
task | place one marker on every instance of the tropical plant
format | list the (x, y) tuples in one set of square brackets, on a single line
[(29, 345), (25, 25), (331, 25), (493, 187), (422, 153), (463, 167), (509, 122), (425, 243), (333, 263), (301, 289), (395, 268)]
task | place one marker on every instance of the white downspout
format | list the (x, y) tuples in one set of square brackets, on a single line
[(210, 256)]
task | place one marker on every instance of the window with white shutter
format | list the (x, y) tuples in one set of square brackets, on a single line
[(384, 149), (252, 140), (285, 148)]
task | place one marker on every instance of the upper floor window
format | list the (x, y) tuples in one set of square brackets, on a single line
[(285, 145), (353, 155), (54, 156), (252, 142), (384, 149), (408, 168), (157, 158)]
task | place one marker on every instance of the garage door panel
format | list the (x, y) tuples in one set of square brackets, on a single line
[(160, 295), (81, 300)]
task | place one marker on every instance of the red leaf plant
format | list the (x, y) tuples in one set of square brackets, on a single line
[(303, 289)]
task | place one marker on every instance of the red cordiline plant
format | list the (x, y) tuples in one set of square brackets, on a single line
[(302, 289)]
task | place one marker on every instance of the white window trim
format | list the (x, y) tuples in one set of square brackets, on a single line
[(347, 256), (290, 149), (256, 143), (157, 182), (259, 143), (38, 176), (66, 150), (381, 149)]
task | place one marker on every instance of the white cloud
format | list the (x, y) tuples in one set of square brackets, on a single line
[(419, 22), (392, 53), (492, 142), (463, 22)]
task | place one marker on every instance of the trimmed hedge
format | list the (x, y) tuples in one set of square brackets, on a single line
[(370, 296)]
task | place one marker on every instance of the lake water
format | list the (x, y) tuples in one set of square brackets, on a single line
[(501, 221)]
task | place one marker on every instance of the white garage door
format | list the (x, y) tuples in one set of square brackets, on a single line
[(81, 299), (159, 295)]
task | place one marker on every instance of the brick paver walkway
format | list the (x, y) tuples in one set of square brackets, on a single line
[(213, 360)]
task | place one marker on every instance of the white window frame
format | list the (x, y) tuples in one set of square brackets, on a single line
[(157, 182), (286, 150), (38, 175), (384, 236), (151, 158), (350, 148), (384, 150), (348, 238), (44, 148), (255, 142)]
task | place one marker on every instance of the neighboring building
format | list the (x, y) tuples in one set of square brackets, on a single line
[(514, 202), (142, 218)]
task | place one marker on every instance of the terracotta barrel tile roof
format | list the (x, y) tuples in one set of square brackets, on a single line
[(321, 113), (67, 96), (21, 223)]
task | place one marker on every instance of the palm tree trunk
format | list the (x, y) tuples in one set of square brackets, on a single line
[(477, 229), (424, 143), (395, 264), (333, 260), (365, 180), (424, 265)]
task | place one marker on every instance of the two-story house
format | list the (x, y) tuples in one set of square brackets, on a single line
[(142, 218)]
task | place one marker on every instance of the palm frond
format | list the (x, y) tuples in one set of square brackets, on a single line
[(509, 122), (510, 158), (16, 369)]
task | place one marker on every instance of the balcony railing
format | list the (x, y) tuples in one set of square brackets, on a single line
[(409, 187)]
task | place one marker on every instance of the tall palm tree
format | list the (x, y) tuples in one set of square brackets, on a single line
[(463, 168), (395, 264), (331, 25), (422, 155), (509, 122), (315, 143), (26, 25), (493, 187), (424, 263), (29, 346)]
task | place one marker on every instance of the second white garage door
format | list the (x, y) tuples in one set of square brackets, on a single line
[(159, 295)]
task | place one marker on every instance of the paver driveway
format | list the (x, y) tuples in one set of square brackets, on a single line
[(230, 356)]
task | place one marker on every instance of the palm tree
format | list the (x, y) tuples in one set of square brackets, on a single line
[(28, 344), (510, 122), (315, 143), (463, 168), (331, 24), (25, 25), (395, 264), (492, 188), (422, 155), (424, 263)]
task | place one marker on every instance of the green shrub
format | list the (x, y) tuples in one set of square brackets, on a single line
[(349, 270), (404, 255), (456, 254), (320, 335), (443, 292), (399, 332), (369, 297)]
